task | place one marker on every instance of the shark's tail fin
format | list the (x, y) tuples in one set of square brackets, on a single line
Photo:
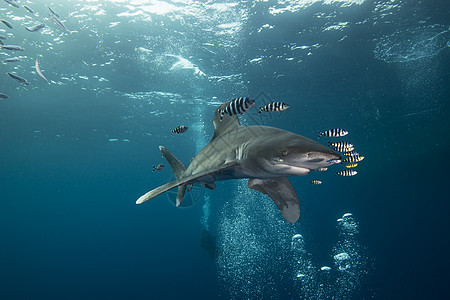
[(178, 169)]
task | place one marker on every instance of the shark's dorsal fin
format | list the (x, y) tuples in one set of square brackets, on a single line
[(281, 191), (224, 123)]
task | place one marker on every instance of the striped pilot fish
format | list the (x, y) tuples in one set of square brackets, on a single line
[(335, 132), (342, 146), (335, 161), (315, 181), (347, 173), (159, 167), (352, 153), (351, 165), (179, 129), (237, 106), (274, 106), (353, 159)]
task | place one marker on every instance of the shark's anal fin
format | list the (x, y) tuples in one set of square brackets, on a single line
[(223, 122), (281, 191)]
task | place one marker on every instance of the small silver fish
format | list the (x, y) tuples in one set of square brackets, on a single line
[(59, 23), (13, 3), (35, 28), (12, 59), (53, 12), (6, 23), (158, 167), (12, 47), (29, 9), (38, 70), (18, 78), (274, 106), (179, 129), (347, 173), (335, 132), (3, 96), (315, 181), (323, 169)]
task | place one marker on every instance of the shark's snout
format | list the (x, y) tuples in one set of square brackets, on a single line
[(318, 159)]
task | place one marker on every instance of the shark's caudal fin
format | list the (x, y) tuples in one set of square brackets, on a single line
[(177, 166), (178, 169), (281, 191)]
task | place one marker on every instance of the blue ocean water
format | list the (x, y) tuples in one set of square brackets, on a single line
[(76, 153)]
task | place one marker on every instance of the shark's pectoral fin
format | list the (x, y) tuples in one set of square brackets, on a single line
[(159, 190), (281, 191)]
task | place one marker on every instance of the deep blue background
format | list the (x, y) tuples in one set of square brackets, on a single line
[(69, 226)]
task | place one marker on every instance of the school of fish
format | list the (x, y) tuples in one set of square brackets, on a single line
[(351, 158), (38, 26)]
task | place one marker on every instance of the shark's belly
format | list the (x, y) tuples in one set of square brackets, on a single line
[(237, 172), (232, 173)]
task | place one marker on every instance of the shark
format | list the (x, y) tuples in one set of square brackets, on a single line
[(265, 155)]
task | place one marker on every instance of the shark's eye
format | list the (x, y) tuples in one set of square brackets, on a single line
[(285, 152)]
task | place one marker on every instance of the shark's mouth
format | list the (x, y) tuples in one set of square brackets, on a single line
[(290, 170), (303, 164), (315, 160)]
